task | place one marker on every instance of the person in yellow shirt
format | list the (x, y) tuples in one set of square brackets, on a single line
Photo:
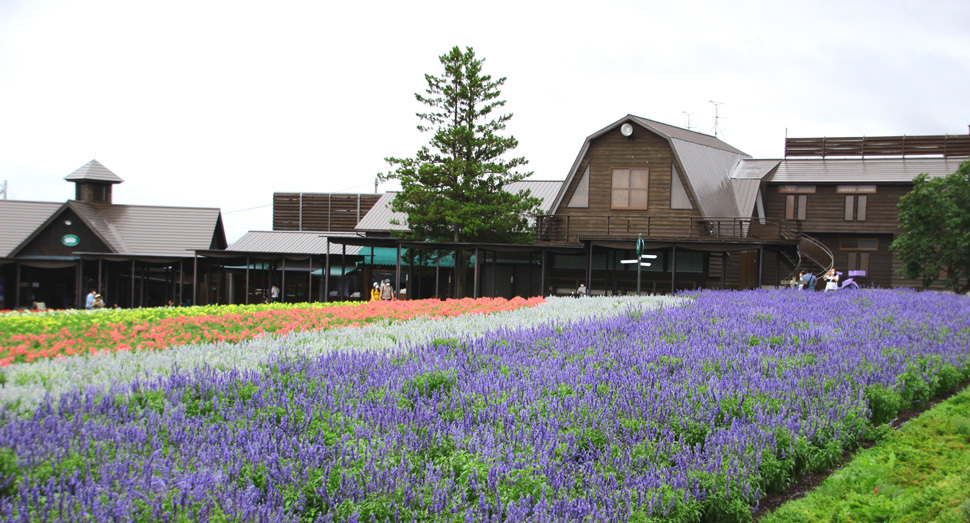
[(375, 292)]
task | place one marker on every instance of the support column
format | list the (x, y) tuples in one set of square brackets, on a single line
[(542, 273), (246, 301), (475, 279), (343, 270), (673, 270), (16, 286), (181, 292), (589, 269), (437, 273), (283, 282), (494, 273), (131, 302), (326, 275), (309, 283), (397, 272), (80, 280), (195, 278), (761, 260)]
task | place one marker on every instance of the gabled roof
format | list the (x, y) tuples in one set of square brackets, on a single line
[(20, 219), (746, 181), (93, 171), (858, 170), (707, 164), (379, 218), (291, 242), (160, 231), (140, 230)]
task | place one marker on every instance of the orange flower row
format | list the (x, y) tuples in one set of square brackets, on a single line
[(235, 327)]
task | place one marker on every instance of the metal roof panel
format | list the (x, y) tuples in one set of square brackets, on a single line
[(291, 242), (857, 170), (94, 171), (708, 172), (20, 219)]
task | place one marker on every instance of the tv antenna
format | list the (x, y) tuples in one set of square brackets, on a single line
[(685, 113), (717, 116)]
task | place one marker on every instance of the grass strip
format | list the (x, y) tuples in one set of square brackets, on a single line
[(919, 473)]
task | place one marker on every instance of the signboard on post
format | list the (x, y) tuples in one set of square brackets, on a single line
[(639, 261)]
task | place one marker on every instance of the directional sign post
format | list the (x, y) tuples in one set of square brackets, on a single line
[(639, 261)]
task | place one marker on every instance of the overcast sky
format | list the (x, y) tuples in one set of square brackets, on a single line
[(223, 103)]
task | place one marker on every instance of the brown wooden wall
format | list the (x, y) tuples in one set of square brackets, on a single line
[(825, 209), (48, 242), (613, 150), (320, 211)]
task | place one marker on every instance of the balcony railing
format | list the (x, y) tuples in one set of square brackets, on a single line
[(570, 229)]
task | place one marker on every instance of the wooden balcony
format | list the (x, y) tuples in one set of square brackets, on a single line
[(574, 229)]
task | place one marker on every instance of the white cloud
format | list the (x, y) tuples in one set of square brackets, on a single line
[(221, 103)]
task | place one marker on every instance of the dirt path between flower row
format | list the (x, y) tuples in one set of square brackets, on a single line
[(809, 482)]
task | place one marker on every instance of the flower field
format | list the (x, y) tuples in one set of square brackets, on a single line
[(29, 336), (634, 413)]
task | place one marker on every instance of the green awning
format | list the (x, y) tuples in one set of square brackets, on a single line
[(387, 256)]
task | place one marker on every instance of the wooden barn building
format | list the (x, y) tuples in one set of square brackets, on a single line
[(52, 254), (709, 215), (713, 216)]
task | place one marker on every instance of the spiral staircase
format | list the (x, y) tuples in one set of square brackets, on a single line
[(810, 255)]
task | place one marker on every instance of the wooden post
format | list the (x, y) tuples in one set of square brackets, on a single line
[(326, 275), (475, 280), (195, 279), (761, 257), (16, 286), (397, 272), (673, 270), (542, 273)]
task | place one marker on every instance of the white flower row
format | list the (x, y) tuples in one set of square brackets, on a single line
[(27, 384)]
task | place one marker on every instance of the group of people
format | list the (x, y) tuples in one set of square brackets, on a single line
[(94, 300), (807, 280), (382, 291)]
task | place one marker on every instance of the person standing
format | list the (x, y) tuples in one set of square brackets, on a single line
[(809, 280), (387, 292), (89, 301), (831, 281), (375, 292), (274, 293)]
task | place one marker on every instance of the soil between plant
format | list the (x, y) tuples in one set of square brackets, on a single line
[(808, 482)]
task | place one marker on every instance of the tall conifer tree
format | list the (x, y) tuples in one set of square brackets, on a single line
[(454, 188)]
